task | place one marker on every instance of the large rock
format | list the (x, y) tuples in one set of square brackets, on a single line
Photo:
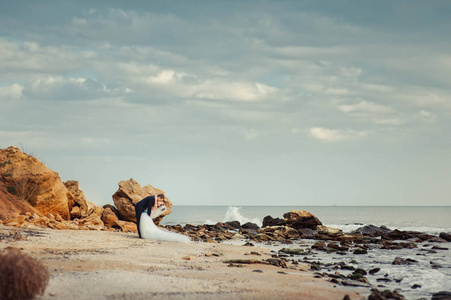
[(80, 207), (30, 180), (109, 218), (270, 221), (300, 219), (129, 193)]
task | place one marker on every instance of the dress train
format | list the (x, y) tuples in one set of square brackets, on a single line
[(150, 231)]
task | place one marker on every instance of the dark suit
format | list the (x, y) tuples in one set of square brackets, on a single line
[(141, 206)]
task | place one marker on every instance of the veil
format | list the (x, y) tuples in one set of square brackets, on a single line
[(150, 231)]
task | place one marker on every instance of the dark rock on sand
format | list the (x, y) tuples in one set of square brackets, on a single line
[(378, 295), (443, 295), (401, 261), (270, 221), (445, 236), (439, 248), (234, 224), (360, 251), (372, 230), (251, 226), (374, 271)]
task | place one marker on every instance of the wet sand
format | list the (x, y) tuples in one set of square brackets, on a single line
[(114, 265)]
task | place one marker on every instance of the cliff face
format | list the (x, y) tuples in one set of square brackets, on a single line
[(31, 181)]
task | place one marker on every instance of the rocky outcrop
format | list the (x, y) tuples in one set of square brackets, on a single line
[(129, 193), (80, 206), (299, 219), (30, 180)]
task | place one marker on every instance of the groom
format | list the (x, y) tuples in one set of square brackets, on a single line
[(150, 204)]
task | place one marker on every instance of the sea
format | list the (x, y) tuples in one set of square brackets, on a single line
[(430, 274)]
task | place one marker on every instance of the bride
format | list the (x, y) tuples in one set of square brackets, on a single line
[(150, 231)]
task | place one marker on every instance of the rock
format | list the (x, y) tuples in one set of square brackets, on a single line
[(387, 294), (234, 224), (445, 236), (329, 231), (126, 226), (443, 295), (109, 218), (270, 221), (319, 246), (439, 248), (30, 180), (300, 219), (75, 213), (372, 230), (129, 193), (307, 233), (374, 271), (79, 198), (95, 211), (400, 261), (250, 225), (360, 251)]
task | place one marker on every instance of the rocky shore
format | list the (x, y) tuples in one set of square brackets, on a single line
[(36, 205)]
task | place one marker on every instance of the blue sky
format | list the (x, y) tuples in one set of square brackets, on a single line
[(234, 102)]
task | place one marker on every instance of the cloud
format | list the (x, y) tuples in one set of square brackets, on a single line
[(60, 88), (13, 92), (335, 135), (365, 107)]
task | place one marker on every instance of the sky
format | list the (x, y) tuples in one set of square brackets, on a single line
[(294, 103)]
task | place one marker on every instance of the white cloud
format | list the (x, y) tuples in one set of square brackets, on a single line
[(335, 135), (60, 88), (365, 107), (428, 116), (14, 91), (389, 121)]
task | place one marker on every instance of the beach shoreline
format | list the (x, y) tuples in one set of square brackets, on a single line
[(115, 265)]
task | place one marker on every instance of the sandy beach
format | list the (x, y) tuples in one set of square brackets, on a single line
[(113, 265)]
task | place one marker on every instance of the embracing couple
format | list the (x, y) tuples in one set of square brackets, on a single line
[(149, 208)]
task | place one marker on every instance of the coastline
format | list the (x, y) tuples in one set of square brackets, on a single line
[(115, 265)]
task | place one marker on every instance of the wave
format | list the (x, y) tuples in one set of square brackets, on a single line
[(233, 214)]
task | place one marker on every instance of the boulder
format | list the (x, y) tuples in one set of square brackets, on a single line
[(250, 226), (79, 198), (126, 226), (443, 295), (270, 221), (445, 236), (109, 218), (75, 212), (30, 180), (329, 231), (372, 230), (299, 219), (129, 193)]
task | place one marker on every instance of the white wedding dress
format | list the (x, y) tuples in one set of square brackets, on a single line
[(150, 231)]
